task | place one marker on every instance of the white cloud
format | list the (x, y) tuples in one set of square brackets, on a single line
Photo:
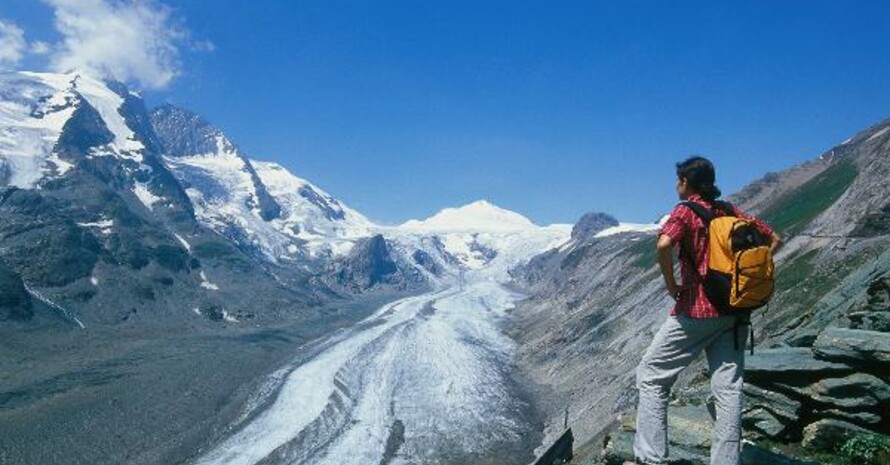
[(39, 48), (12, 44), (130, 41)]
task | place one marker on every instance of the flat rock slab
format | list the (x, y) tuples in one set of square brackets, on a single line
[(777, 403), (854, 345), (789, 363), (856, 391), (620, 449), (763, 422), (829, 434)]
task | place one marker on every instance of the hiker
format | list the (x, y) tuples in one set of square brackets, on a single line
[(694, 324)]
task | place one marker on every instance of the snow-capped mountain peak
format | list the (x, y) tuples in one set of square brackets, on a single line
[(477, 216), (35, 110), (260, 205)]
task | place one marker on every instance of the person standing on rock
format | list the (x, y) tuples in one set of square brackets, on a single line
[(694, 325)]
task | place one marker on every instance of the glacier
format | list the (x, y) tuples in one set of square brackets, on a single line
[(424, 379)]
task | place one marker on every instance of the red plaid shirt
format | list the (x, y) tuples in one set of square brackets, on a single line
[(684, 226)]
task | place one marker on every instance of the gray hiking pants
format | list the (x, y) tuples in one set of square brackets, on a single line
[(674, 347)]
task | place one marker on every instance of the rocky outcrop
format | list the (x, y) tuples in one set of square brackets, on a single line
[(592, 223), (825, 394), (689, 440), (372, 264)]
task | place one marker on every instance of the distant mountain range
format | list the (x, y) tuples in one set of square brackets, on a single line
[(103, 198)]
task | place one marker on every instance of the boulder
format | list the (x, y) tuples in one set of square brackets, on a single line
[(857, 391), (864, 348), (829, 434), (789, 364)]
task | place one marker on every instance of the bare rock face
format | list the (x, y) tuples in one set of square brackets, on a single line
[(592, 223), (372, 264), (858, 346), (874, 313), (15, 302)]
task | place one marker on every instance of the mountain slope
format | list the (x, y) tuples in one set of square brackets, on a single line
[(595, 304), (259, 205)]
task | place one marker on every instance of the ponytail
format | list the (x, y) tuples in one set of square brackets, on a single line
[(700, 176)]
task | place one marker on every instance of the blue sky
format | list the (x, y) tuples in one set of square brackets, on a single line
[(551, 109)]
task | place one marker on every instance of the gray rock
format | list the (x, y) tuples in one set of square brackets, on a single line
[(690, 427), (871, 321), (619, 448), (879, 294), (592, 223), (865, 419), (777, 404), (855, 391), (788, 363), (854, 345), (827, 435), (763, 422)]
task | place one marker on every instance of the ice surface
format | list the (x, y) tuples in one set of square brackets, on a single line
[(437, 363)]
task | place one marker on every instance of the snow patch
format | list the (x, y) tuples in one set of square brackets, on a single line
[(108, 104), (145, 196), (206, 284), (633, 227), (104, 225), (184, 243)]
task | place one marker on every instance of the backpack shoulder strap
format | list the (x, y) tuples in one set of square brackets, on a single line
[(725, 207), (705, 214)]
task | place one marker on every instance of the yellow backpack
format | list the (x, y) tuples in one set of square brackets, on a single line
[(740, 262)]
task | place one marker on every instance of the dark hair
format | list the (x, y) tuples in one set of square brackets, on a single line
[(699, 173)]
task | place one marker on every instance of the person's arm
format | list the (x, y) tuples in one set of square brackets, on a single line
[(664, 249), (775, 242)]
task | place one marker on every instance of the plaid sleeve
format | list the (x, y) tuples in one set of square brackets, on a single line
[(764, 228), (675, 226)]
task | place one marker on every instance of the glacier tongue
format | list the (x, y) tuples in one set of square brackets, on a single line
[(426, 379)]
